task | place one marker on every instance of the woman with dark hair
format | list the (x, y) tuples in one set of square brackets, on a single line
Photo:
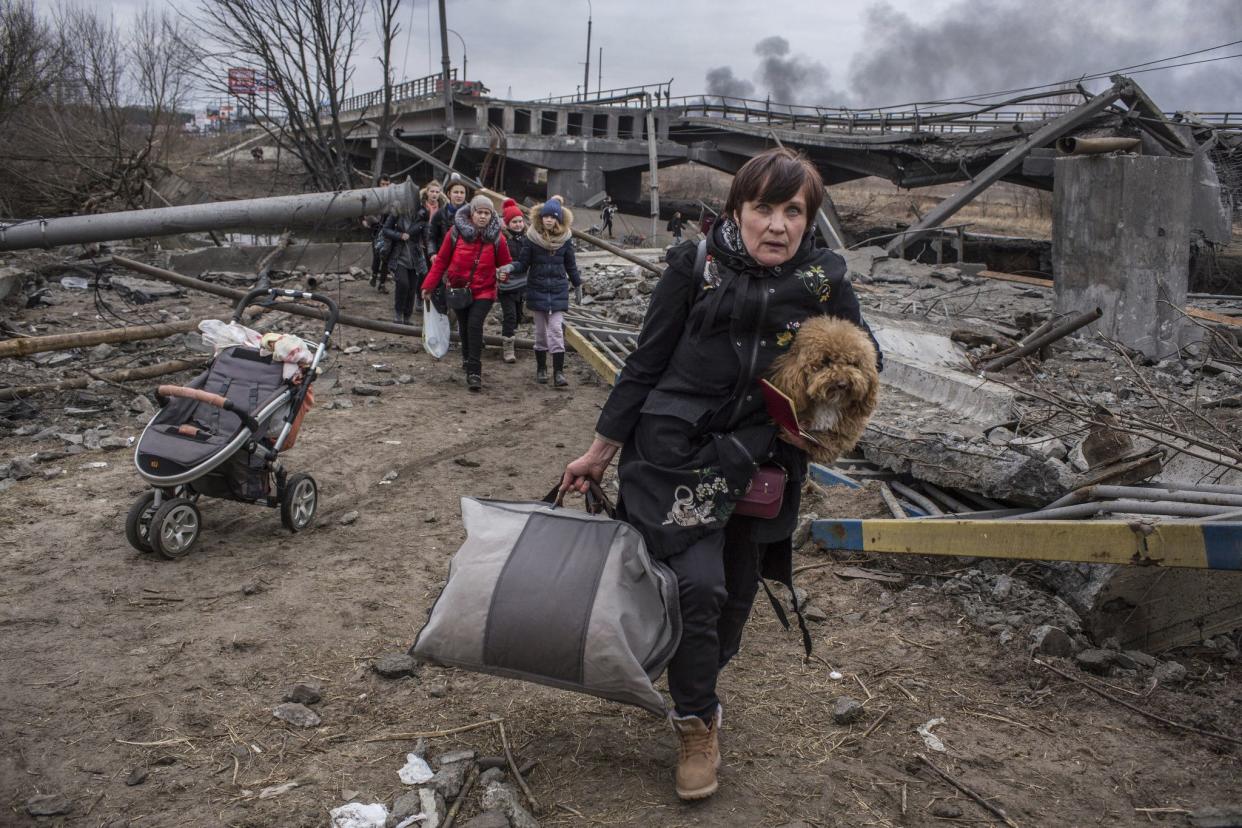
[(689, 420)]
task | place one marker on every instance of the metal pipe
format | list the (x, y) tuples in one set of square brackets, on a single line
[(1062, 329), (1132, 507), (953, 504), (347, 319), (1179, 494), (311, 209), (916, 498), (1072, 145)]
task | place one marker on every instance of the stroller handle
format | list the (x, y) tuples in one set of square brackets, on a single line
[(218, 400), (257, 293)]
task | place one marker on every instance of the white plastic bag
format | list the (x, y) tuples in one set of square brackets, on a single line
[(220, 335), (435, 331)]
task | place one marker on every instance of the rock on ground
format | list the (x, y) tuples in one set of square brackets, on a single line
[(48, 805), (394, 665), (304, 692), (846, 710), (298, 715)]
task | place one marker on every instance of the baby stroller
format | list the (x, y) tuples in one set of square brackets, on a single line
[(221, 436)]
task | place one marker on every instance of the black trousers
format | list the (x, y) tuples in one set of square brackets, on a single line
[(511, 311), (379, 264), (717, 578), (470, 327), (406, 283), (607, 228)]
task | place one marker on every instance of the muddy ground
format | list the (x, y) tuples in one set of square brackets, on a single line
[(118, 667)]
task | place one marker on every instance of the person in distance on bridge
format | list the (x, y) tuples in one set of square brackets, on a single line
[(674, 226), (468, 258), (512, 285), (550, 266), (689, 419), (608, 210)]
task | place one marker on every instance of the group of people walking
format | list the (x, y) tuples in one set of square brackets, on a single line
[(463, 257)]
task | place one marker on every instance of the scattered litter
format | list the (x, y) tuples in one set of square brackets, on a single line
[(358, 815), (836, 675), (408, 821), (98, 464), (930, 739), (391, 442), (416, 770), (75, 282), (220, 335), (277, 790)]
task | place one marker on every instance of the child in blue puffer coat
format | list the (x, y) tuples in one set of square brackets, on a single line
[(550, 268)]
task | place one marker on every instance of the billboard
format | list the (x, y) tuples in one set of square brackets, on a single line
[(242, 81)]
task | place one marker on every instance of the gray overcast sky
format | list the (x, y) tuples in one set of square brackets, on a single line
[(817, 51)]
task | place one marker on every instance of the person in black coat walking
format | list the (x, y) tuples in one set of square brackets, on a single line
[(674, 226), (549, 264), (404, 231), (689, 419), (374, 224)]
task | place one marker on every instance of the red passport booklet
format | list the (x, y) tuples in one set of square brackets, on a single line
[(782, 410)]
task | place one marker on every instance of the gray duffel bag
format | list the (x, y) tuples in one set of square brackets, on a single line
[(560, 597)]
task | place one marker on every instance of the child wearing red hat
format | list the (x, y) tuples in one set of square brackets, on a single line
[(512, 286)]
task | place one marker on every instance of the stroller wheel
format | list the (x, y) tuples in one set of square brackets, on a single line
[(298, 503), (138, 522), (175, 527)]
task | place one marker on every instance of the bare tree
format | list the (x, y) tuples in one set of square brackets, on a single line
[(30, 57), (97, 126), (305, 52), (386, 12)]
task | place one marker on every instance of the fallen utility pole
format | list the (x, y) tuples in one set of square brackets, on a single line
[(131, 375), (291, 307), (1061, 329), (311, 209), (1002, 166), (64, 342)]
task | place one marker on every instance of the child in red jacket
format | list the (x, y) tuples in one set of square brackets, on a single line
[(467, 260)]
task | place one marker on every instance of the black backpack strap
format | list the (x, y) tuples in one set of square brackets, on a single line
[(784, 619)]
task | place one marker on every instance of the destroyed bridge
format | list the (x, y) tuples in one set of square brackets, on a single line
[(607, 141)]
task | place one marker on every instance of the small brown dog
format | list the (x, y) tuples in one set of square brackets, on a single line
[(830, 374)]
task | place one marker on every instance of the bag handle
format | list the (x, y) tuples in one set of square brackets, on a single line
[(597, 500)]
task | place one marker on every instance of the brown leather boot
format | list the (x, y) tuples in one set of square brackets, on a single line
[(698, 756)]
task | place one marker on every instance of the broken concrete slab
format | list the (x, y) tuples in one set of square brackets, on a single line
[(315, 257), (934, 368)]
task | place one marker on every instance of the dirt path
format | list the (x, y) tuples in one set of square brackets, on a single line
[(112, 661)]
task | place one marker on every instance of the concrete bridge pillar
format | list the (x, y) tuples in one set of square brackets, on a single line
[(1121, 242), (576, 185), (613, 125), (509, 118), (562, 122)]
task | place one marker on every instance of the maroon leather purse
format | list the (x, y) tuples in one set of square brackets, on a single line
[(764, 495)]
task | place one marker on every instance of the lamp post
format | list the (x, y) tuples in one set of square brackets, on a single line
[(586, 74), (463, 54)]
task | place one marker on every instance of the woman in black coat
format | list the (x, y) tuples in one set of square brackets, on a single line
[(405, 232), (689, 420)]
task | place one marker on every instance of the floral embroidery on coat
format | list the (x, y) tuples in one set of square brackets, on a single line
[(817, 282), (786, 337), (702, 504)]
